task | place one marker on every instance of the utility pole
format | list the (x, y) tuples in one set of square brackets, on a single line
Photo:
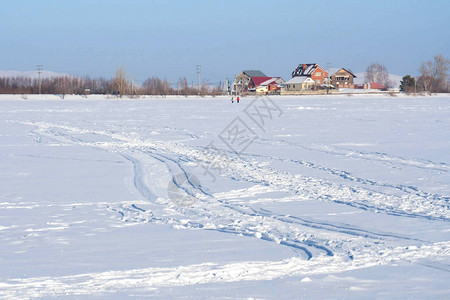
[(199, 67), (226, 85), (39, 70)]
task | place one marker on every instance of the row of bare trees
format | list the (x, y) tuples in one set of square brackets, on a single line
[(434, 75), (54, 85), (156, 86), (433, 78), (120, 86)]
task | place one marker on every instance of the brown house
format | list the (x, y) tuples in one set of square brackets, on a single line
[(343, 79)]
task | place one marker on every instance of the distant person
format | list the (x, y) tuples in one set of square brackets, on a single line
[(232, 99), (237, 100)]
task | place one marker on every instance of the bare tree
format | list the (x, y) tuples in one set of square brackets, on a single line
[(183, 87), (152, 86), (434, 75), (377, 73), (425, 80), (62, 85), (120, 82), (441, 65)]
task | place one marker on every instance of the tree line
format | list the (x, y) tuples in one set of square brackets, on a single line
[(119, 86), (54, 85), (433, 77)]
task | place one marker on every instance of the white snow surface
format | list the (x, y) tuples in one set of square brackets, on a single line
[(272, 198)]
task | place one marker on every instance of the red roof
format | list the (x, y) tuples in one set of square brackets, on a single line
[(377, 86), (258, 80)]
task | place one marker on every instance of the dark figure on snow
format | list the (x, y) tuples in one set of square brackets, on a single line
[(237, 100), (232, 99)]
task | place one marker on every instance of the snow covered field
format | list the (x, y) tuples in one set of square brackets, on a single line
[(272, 198)]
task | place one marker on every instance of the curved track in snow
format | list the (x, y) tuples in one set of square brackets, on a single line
[(155, 163), (319, 246)]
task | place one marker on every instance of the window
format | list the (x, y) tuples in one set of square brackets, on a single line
[(318, 73)]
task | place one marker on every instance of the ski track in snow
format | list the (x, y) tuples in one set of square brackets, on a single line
[(416, 203), (153, 278), (350, 177), (319, 247), (365, 155)]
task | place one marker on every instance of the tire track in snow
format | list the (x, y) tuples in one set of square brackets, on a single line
[(350, 177), (365, 155), (221, 216), (150, 279), (281, 238), (208, 211), (418, 206), (269, 219), (316, 189), (239, 219)]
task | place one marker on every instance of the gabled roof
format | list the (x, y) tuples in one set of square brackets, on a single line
[(254, 73), (258, 80), (306, 69), (273, 80), (299, 79), (323, 70), (345, 71), (303, 70)]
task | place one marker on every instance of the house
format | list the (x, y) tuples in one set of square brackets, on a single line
[(270, 86), (313, 71), (343, 78), (372, 86), (256, 82), (299, 83), (243, 79)]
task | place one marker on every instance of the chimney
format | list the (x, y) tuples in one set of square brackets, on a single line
[(304, 66)]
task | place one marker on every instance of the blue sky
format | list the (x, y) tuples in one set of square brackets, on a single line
[(169, 38)]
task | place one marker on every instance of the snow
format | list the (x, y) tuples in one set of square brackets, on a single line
[(272, 198), (299, 79)]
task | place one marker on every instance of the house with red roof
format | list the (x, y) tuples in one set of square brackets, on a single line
[(249, 80), (256, 81), (270, 86), (243, 79)]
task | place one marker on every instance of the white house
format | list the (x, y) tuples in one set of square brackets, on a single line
[(299, 83)]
